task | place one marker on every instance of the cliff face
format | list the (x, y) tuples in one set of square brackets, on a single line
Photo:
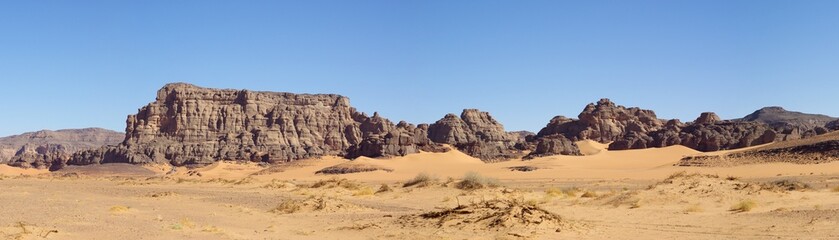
[(187, 124)]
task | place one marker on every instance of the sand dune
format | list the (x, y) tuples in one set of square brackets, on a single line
[(602, 195)]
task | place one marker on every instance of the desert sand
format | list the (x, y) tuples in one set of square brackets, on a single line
[(633, 194)]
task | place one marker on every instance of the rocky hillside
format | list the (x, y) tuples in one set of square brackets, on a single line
[(814, 150), (60, 142), (635, 128), (779, 117), (790, 125)]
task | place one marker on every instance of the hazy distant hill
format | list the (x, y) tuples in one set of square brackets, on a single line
[(70, 140)]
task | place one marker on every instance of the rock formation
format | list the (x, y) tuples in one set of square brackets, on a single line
[(603, 122), (788, 124), (707, 133), (832, 125), (555, 144), (707, 118), (187, 124), (475, 133), (37, 149)]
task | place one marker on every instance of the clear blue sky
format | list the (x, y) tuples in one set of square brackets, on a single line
[(72, 64)]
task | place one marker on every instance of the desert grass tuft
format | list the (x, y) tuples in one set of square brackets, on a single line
[(694, 209), (421, 180), (554, 192), (364, 191), (744, 206), (473, 180), (589, 194), (384, 188), (119, 209)]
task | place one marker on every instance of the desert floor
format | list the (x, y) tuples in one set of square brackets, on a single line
[(636, 194)]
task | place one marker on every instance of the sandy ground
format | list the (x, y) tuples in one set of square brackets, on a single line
[(602, 195)]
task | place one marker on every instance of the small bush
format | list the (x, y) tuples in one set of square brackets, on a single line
[(335, 182), (364, 191), (589, 194), (554, 192), (474, 181), (572, 192), (694, 208), (288, 207), (786, 185), (421, 180), (384, 188), (119, 209), (744, 206)]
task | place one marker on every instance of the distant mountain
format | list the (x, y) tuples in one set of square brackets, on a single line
[(778, 117), (67, 141)]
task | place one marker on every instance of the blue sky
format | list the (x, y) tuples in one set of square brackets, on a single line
[(72, 64)]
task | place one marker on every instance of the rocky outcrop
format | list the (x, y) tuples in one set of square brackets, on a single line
[(707, 118), (38, 149), (707, 133), (603, 122), (778, 116), (521, 136), (790, 125), (187, 125), (475, 133), (387, 140), (555, 144)]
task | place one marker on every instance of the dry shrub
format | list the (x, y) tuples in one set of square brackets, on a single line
[(835, 189), (421, 180), (744, 206), (335, 182), (694, 208), (589, 194), (364, 191), (554, 192), (495, 214), (474, 181), (119, 209), (785, 185), (384, 188), (314, 204), (288, 207), (572, 192), (163, 194), (278, 184), (183, 223)]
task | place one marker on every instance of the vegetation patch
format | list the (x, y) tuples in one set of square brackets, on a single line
[(498, 214), (421, 180), (744, 206), (472, 181)]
